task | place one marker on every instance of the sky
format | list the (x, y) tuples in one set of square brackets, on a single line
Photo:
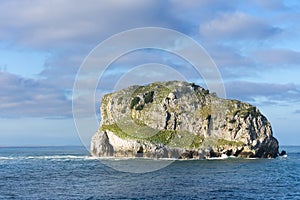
[(255, 45)]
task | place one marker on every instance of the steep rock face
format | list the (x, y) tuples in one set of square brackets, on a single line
[(180, 120)]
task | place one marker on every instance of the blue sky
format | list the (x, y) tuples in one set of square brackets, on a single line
[(255, 44)]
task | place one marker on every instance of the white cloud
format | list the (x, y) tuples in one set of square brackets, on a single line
[(59, 23), (229, 57), (270, 4), (21, 97), (235, 26), (69, 30), (271, 92), (277, 57)]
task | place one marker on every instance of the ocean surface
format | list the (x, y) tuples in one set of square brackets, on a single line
[(69, 173)]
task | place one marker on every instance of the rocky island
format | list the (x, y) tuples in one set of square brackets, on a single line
[(180, 120)]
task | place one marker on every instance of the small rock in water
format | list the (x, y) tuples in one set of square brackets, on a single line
[(283, 153)]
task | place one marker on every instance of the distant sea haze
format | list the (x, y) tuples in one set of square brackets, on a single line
[(70, 173)]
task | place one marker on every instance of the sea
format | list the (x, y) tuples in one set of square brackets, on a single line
[(70, 173)]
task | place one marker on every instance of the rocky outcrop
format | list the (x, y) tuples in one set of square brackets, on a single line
[(180, 120)]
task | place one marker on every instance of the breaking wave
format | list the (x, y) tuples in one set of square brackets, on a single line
[(51, 157)]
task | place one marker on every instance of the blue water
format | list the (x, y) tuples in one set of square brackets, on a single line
[(69, 173)]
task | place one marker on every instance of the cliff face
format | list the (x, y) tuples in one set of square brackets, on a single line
[(180, 120)]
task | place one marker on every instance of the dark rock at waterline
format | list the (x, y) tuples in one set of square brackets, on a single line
[(282, 153)]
